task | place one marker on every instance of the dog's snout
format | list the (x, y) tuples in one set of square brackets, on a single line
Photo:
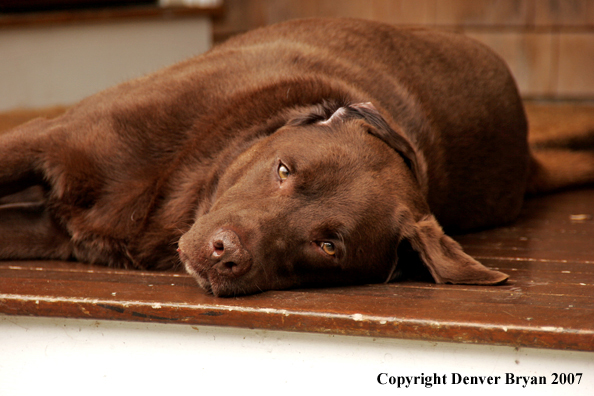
[(229, 256)]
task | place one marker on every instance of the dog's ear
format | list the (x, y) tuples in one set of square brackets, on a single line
[(444, 257), (334, 112), (395, 138)]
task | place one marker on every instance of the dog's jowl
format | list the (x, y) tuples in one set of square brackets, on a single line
[(309, 153)]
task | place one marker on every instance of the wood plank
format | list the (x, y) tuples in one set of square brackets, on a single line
[(15, 270), (556, 227), (425, 316), (539, 289), (571, 282), (105, 15)]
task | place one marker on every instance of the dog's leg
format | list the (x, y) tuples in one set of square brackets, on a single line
[(19, 157), (28, 231), (562, 163), (557, 169)]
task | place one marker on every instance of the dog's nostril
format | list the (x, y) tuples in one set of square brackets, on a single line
[(218, 248), (233, 268)]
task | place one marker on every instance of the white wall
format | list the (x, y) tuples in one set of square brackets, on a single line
[(61, 64), (85, 357)]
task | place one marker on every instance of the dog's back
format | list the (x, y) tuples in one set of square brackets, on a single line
[(454, 98)]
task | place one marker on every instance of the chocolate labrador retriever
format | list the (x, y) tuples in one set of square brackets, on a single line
[(313, 152)]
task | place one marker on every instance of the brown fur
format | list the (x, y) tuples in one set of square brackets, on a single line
[(254, 158)]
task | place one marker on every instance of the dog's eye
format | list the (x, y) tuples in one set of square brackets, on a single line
[(283, 172), (328, 248)]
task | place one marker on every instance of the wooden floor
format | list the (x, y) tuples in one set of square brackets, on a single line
[(548, 302)]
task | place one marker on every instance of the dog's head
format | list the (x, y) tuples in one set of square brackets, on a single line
[(325, 200)]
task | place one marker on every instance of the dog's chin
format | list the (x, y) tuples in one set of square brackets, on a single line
[(204, 284), (202, 280), (212, 285)]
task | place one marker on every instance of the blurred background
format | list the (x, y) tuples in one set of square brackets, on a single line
[(55, 52)]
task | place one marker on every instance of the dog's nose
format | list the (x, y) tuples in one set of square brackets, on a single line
[(230, 258)]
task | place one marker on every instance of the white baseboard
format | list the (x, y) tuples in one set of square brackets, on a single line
[(76, 357)]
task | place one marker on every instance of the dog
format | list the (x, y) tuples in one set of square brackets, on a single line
[(310, 153)]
